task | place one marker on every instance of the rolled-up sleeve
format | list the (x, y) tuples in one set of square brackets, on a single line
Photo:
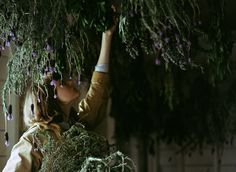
[(90, 108)]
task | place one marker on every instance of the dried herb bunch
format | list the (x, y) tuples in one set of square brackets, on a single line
[(164, 29), (170, 90), (174, 32), (49, 36), (84, 151)]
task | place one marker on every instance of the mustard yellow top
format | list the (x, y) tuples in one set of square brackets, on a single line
[(25, 155)]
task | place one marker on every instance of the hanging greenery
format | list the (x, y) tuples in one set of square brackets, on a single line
[(173, 85), (167, 52), (49, 36)]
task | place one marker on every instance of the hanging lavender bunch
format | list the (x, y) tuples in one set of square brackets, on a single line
[(39, 32), (173, 32)]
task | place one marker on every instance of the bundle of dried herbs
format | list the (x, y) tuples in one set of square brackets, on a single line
[(181, 65), (81, 150), (49, 36)]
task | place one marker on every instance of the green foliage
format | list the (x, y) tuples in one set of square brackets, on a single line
[(49, 36), (169, 60), (151, 94), (80, 150), (175, 31)]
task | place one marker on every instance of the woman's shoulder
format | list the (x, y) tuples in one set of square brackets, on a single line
[(39, 133)]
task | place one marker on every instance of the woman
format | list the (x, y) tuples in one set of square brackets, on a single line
[(42, 112)]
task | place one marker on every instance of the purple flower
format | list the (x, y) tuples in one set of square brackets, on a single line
[(52, 69), (7, 44), (7, 143), (49, 48), (10, 117), (158, 45), (160, 33), (53, 83), (157, 61), (12, 34), (34, 54), (46, 69)]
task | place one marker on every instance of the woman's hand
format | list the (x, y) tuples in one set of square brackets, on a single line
[(112, 29)]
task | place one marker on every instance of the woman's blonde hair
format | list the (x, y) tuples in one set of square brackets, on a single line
[(40, 105)]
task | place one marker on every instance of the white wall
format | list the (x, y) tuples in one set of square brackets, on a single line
[(166, 159), (13, 126)]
